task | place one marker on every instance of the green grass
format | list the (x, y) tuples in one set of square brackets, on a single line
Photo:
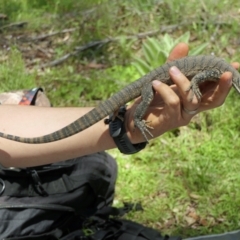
[(195, 173), (187, 179), (13, 72)]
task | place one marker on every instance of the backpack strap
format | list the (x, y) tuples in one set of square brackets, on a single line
[(107, 211), (29, 96), (122, 229)]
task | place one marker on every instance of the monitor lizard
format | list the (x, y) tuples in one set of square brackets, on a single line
[(196, 68)]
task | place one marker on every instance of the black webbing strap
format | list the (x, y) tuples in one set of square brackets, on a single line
[(29, 96), (118, 212), (37, 182)]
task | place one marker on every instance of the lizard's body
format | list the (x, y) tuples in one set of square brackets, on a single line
[(196, 68)]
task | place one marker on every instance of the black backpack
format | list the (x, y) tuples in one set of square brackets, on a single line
[(64, 201), (45, 201), (114, 229)]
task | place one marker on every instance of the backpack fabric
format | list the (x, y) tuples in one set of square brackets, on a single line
[(120, 229), (47, 201), (70, 200)]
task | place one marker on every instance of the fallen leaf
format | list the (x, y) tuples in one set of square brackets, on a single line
[(194, 196), (190, 221)]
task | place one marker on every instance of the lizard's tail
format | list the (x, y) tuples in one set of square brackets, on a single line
[(101, 111)]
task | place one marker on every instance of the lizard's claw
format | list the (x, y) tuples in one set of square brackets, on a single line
[(144, 128), (195, 91)]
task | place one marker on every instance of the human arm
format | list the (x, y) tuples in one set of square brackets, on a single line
[(33, 121)]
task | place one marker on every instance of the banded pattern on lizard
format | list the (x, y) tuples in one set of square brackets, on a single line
[(196, 68)]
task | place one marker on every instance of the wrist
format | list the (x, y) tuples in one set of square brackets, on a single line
[(118, 132)]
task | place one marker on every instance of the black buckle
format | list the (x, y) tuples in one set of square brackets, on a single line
[(37, 182)]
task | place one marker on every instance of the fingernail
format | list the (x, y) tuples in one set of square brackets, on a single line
[(174, 70), (156, 83)]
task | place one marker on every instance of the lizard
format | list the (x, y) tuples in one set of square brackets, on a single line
[(196, 68)]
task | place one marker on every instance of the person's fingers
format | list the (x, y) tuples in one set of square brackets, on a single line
[(236, 65), (169, 97), (179, 51), (225, 84), (189, 101), (217, 96)]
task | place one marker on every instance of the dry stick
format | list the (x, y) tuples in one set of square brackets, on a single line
[(105, 41), (57, 61), (14, 25), (74, 53), (42, 37)]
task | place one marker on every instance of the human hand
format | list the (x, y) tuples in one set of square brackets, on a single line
[(171, 106)]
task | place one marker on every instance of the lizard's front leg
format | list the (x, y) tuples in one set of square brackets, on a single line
[(147, 97)]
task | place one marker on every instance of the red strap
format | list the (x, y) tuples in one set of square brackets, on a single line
[(29, 96)]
